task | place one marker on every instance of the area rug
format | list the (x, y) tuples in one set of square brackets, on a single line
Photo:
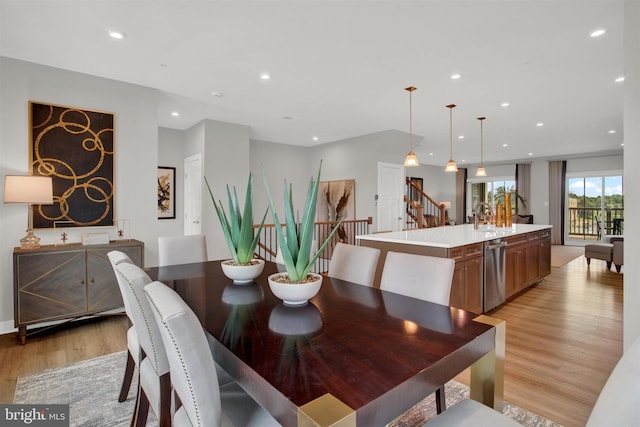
[(560, 254), (91, 389)]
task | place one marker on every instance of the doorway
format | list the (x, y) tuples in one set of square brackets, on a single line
[(193, 194), (391, 186)]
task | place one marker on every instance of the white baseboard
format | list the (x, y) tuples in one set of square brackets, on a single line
[(7, 327)]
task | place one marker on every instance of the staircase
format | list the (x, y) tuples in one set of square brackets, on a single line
[(422, 211)]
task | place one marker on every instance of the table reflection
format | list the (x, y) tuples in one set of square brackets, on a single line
[(290, 320), (243, 315), (359, 294), (436, 317)]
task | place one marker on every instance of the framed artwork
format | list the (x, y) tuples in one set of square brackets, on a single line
[(166, 192), (76, 149), (336, 201)]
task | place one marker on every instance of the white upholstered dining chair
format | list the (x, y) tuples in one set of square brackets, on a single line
[(422, 277), (199, 399), (355, 264), (187, 249), (154, 383), (418, 276), (133, 343)]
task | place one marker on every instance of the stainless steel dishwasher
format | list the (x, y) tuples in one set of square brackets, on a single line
[(494, 272)]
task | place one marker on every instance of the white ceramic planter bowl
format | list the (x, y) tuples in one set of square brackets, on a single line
[(242, 274), (295, 293)]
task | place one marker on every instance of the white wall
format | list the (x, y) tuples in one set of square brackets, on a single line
[(631, 169), (357, 158), (225, 162), (539, 203), (136, 135), (595, 164), (171, 143), (280, 162)]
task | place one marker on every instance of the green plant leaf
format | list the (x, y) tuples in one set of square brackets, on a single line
[(238, 226), (295, 247)]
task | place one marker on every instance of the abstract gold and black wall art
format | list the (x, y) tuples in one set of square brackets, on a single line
[(76, 148)]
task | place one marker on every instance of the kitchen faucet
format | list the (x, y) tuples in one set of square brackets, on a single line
[(476, 213)]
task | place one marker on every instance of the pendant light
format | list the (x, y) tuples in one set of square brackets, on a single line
[(481, 171), (411, 160), (451, 166)]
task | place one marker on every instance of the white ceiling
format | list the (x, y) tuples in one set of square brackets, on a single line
[(339, 68)]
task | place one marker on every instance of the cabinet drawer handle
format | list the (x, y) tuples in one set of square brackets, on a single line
[(92, 280)]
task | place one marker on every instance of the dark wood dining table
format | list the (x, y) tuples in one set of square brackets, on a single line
[(353, 355)]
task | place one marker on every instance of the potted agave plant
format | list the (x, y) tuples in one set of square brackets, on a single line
[(298, 284), (239, 234)]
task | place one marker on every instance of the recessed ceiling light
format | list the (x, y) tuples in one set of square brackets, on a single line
[(455, 76), (597, 33), (175, 114), (460, 136), (463, 160), (530, 154), (619, 79), (505, 145), (117, 34), (540, 124), (265, 76), (431, 154), (622, 144), (315, 138), (504, 104), (612, 131)]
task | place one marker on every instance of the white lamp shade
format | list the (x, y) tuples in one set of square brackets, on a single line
[(28, 189), (451, 167), (411, 160), (481, 171)]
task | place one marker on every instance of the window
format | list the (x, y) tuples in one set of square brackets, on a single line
[(594, 206), (492, 192)]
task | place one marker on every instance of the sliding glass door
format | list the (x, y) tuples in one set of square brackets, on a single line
[(594, 207)]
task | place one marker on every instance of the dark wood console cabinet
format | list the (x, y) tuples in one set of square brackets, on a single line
[(54, 283)]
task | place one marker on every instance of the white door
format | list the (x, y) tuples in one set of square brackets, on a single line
[(391, 184), (193, 194)]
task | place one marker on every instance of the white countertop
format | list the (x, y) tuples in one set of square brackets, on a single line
[(452, 236)]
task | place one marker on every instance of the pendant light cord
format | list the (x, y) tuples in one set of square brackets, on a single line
[(481, 143), (410, 120)]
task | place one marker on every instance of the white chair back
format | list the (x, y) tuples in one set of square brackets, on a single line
[(355, 264), (142, 316), (188, 249), (418, 276), (193, 372), (115, 258)]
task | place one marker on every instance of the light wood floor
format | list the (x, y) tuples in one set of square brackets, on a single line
[(563, 338)]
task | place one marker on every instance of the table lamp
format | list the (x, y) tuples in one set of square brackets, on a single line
[(32, 190)]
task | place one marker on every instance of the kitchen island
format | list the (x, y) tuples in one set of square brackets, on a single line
[(526, 260)]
